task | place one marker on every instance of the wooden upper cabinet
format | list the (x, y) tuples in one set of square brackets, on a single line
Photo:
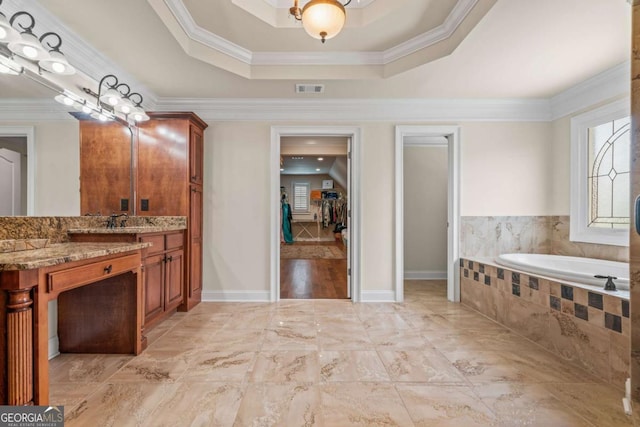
[(105, 167), (162, 167), (195, 154)]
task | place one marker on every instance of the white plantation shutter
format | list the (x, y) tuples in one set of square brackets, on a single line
[(301, 196)]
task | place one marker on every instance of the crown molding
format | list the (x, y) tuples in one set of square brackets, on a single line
[(362, 110), (84, 57), (436, 35), (611, 83), (207, 38), (246, 56)]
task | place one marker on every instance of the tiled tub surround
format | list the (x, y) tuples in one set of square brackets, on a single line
[(588, 328), (490, 236), (56, 228)]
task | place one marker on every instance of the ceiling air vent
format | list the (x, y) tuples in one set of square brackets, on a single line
[(309, 88)]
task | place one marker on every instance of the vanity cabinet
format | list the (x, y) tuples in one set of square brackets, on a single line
[(155, 169), (163, 275), (164, 268)]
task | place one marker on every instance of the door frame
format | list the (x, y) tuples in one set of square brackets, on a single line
[(352, 132), (452, 133), (29, 133)]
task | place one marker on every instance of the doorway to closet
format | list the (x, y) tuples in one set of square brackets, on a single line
[(314, 199), (349, 237)]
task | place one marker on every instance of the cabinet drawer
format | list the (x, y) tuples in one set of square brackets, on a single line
[(67, 279), (174, 241), (157, 244)]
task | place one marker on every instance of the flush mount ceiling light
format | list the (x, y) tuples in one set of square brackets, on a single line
[(321, 19)]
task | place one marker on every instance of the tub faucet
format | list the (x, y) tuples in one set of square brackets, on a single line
[(609, 286)]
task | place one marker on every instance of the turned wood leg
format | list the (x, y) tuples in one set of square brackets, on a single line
[(20, 347)]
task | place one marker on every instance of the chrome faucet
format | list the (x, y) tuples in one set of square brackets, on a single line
[(609, 286)]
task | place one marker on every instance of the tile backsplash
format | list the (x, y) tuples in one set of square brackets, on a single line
[(489, 236)]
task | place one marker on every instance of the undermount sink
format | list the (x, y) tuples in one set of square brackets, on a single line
[(17, 245)]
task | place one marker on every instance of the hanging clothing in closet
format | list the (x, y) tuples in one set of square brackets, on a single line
[(286, 216)]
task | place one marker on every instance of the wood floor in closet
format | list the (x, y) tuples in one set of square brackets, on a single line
[(314, 278)]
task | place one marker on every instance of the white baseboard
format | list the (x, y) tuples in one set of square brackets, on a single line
[(236, 296), (54, 347), (425, 275), (378, 296)]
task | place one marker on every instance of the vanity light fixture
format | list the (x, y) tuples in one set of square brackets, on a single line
[(321, 19), (17, 34), (320, 159), (56, 62), (27, 45), (119, 99)]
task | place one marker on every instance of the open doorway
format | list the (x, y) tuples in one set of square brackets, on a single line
[(407, 138), (352, 244), (314, 195), (13, 175), (21, 140)]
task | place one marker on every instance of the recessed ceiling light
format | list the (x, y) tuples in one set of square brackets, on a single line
[(320, 159)]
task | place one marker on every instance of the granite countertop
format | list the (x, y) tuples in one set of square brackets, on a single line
[(127, 230), (60, 253)]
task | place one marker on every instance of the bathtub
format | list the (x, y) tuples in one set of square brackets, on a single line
[(572, 269)]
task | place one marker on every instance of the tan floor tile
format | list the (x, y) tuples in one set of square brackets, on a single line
[(528, 405), (219, 366), (427, 366), (238, 340), (334, 363), (348, 338), (154, 366), (436, 406), (85, 368), (599, 403), (297, 366), (290, 338), (406, 339), (119, 405), (351, 366), (363, 404), (198, 404), (70, 394), (480, 367), (280, 405)]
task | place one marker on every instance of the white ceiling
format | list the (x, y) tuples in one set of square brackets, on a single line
[(510, 49), (306, 165)]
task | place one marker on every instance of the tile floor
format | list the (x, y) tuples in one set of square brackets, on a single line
[(426, 362)]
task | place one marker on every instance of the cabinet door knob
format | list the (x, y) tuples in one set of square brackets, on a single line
[(170, 258), (194, 177), (107, 269)]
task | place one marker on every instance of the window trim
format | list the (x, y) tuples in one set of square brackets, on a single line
[(579, 191), (293, 196)]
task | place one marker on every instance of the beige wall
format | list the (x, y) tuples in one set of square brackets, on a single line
[(507, 169), (425, 208)]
